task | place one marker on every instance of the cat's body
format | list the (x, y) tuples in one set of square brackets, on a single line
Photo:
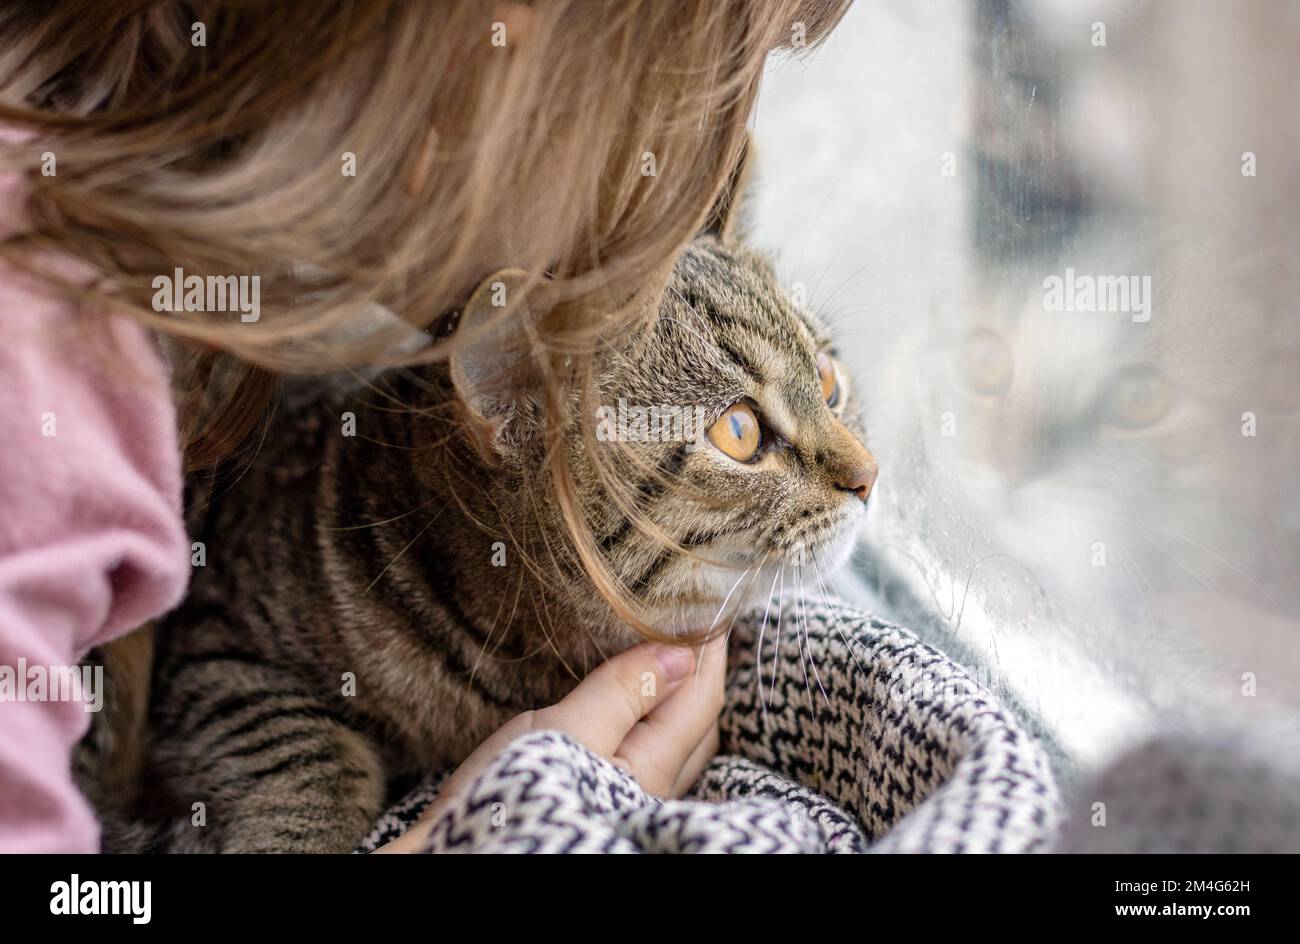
[(372, 606)]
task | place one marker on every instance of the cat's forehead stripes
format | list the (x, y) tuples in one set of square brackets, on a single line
[(738, 283), (749, 320)]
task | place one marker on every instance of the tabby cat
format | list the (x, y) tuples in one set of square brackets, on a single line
[(374, 605)]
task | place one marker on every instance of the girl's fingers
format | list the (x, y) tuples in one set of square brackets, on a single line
[(623, 708), (656, 750), (695, 764), (610, 701)]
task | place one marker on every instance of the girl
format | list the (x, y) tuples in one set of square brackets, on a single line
[(335, 156)]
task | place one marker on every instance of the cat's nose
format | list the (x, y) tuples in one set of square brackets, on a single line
[(862, 478)]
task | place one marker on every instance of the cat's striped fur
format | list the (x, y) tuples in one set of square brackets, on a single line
[(375, 558)]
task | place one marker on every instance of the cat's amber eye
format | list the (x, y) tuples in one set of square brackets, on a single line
[(737, 432), (830, 380)]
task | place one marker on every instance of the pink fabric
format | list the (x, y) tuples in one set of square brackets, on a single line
[(91, 538)]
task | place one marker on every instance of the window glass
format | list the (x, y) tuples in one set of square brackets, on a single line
[(1059, 243)]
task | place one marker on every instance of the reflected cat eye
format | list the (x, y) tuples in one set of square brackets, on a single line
[(737, 432), (829, 378), (986, 363), (1139, 396)]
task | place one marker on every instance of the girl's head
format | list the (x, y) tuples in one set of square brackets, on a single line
[(384, 152)]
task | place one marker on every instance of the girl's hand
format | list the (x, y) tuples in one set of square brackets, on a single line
[(647, 710)]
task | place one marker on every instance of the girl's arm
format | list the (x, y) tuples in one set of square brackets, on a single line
[(91, 538)]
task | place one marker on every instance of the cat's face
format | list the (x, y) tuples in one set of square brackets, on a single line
[(1060, 434), (727, 455), (1054, 406), (772, 478)]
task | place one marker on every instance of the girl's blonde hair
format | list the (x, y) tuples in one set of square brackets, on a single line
[(376, 151)]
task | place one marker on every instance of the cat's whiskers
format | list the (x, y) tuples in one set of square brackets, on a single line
[(861, 270), (1205, 582), (758, 652), (1218, 556), (740, 605), (708, 635), (727, 599), (822, 579), (758, 570), (799, 635), (807, 640), (1136, 577), (776, 654)]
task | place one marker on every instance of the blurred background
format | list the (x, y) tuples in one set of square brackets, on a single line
[(1095, 509)]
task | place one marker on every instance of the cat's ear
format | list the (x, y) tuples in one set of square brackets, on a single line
[(728, 219), (491, 364)]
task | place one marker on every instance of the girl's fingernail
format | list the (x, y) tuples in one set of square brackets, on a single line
[(676, 661)]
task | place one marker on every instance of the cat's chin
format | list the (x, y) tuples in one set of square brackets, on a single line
[(836, 553), (696, 617), (826, 555), (721, 595)]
